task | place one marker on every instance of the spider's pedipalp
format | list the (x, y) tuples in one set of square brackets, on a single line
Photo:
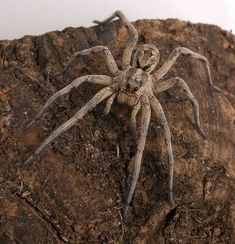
[(98, 79), (159, 113), (172, 59), (99, 97), (145, 119), (112, 66), (109, 103), (165, 85), (133, 115)]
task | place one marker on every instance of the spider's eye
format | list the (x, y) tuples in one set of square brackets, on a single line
[(136, 89), (145, 68), (128, 87)]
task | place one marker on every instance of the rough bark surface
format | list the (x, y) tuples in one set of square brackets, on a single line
[(76, 190)]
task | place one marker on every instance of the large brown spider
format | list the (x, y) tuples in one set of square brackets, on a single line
[(137, 86)]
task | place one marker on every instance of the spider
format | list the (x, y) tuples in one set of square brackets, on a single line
[(136, 85)]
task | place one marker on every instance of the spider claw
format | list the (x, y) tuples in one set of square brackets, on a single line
[(96, 22), (30, 124), (100, 23), (216, 88), (202, 132), (125, 212), (30, 159)]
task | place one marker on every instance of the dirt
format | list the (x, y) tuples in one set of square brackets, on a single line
[(75, 191)]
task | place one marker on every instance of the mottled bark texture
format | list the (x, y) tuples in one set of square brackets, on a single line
[(76, 190)]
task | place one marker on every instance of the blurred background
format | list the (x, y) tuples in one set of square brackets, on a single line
[(34, 17)]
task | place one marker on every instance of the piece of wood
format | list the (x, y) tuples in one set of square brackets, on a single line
[(74, 192)]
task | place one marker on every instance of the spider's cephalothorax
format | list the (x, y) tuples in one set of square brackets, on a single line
[(136, 85), (132, 85)]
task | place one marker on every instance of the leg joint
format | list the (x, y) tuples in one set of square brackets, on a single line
[(135, 37), (178, 79)]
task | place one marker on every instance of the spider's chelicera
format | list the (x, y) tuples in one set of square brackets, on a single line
[(137, 85)]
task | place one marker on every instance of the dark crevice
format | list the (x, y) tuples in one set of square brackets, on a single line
[(170, 215)]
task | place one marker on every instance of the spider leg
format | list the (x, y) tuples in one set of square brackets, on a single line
[(109, 103), (107, 55), (145, 119), (172, 59), (99, 97), (107, 20), (165, 85), (99, 79), (157, 109), (126, 59), (133, 116)]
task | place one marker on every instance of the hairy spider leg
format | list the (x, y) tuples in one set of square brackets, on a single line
[(107, 55), (98, 79), (126, 59), (187, 52), (109, 103), (159, 113), (144, 125), (133, 115), (165, 85), (99, 97)]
